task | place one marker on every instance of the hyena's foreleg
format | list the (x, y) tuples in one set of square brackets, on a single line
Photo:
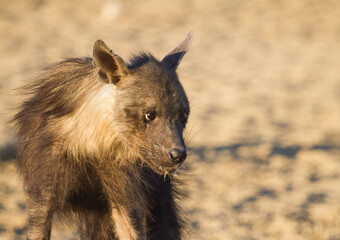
[(164, 222), (39, 219), (96, 224), (129, 225)]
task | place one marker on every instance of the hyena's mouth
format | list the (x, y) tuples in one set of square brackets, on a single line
[(162, 170), (158, 168)]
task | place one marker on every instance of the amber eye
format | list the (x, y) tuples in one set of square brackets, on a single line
[(150, 116)]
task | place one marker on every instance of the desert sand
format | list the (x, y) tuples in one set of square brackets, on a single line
[(263, 79)]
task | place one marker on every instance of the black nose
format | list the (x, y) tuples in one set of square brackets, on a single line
[(177, 156)]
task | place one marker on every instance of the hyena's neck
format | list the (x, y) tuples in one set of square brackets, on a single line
[(90, 128)]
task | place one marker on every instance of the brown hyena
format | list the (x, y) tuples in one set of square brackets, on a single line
[(99, 141)]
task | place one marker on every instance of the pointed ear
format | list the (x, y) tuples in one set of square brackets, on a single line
[(174, 57), (111, 66)]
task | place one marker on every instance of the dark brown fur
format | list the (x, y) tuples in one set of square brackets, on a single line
[(86, 150)]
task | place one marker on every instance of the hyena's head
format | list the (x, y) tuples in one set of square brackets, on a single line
[(151, 108)]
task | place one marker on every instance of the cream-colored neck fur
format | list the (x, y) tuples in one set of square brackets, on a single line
[(90, 128)]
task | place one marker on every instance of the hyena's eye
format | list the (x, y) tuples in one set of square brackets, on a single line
[(149, 116)]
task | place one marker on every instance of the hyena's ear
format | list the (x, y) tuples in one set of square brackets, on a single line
[(174, 57), (111, 66)]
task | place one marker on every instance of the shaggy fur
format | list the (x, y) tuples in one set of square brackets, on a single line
[(88, 149)]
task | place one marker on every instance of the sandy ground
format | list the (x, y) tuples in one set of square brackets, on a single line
[(263, 78)]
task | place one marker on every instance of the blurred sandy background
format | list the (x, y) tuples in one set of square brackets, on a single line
[(263, 78)]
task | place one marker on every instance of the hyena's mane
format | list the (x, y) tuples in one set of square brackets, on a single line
[(71, 109), (52, 97), (67, 121)]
